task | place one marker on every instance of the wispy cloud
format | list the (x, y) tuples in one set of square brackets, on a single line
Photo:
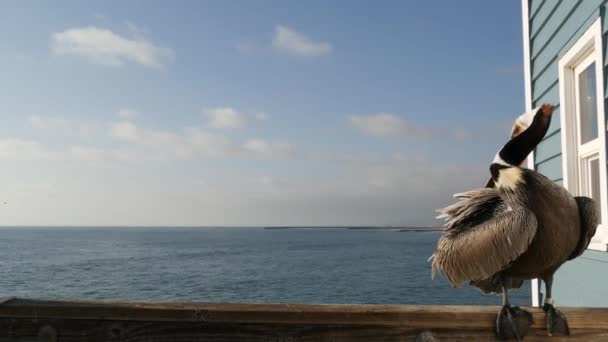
[(261, 116), (295, 43), (264, 149), (225, 117), (190, 144), (391, 125), (39, 121), (19, 149), (387, 125), (62, 126), (389, 190), (197, 143), (102, 46), (127, 114), (230, 118), (14, 149), (141, 143)]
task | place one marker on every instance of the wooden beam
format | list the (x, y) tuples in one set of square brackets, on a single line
[(23, 319)]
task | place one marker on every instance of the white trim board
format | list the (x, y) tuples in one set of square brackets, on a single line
[(589, 45), (525, 5), (525, 19)]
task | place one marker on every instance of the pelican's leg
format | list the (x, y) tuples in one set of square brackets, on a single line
[(512, 322), (556, 321)]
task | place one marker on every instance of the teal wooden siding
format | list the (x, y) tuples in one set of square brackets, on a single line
[(582, 281), (554, 28)]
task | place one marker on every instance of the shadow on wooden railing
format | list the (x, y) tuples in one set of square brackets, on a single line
[(37, 320)]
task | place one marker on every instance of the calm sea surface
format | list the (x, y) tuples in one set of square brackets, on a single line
[(228, 265)]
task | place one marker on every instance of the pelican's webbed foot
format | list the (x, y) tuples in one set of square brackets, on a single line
[(513, 322), (556, 321)]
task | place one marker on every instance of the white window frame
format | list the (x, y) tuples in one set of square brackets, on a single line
[(586, 50)]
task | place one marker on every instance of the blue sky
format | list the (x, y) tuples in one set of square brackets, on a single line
[(251, 113)]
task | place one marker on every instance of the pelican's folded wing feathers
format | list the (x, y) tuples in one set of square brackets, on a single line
[(482, 236)]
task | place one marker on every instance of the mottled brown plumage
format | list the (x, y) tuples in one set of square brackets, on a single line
[(479, 240), (520, 233), (521, 226)]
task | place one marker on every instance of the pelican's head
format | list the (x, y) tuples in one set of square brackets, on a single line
[(525, 120), (527, 132)]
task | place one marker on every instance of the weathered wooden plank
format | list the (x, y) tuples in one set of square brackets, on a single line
[(30, 320), (161, 332)]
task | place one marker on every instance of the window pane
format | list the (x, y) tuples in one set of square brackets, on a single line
[(594, 186), (588, 104)]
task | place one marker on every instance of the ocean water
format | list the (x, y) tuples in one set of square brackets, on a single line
[(251, 265)]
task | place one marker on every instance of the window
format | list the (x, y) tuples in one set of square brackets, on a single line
[(588, 148), (583, 124)]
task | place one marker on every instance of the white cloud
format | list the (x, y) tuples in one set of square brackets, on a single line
[(225, 117), (228, 117), (128, 132), (103, 46), (386, 125), (13, 149), (200, 143), (391, 125), (125, 131), (63, 127), (260, 148), (127, 114), (85, 153), (35, 120), (191, 143), (39, 121), (21, 150), (297, 44), (194, 143), (266, 180), (261, 116)]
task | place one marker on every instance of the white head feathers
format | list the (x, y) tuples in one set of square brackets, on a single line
[(523, 122)]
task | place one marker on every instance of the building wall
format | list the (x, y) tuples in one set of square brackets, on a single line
[(582, 281), (554, 26)]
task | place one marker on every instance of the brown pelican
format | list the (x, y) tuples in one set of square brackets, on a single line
[(523, 227)]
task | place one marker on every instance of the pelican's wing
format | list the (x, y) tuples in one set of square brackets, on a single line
[(590, 218), (473, 207), (481, 237)]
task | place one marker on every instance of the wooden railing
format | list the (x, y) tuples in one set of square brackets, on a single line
[(36, 320)]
